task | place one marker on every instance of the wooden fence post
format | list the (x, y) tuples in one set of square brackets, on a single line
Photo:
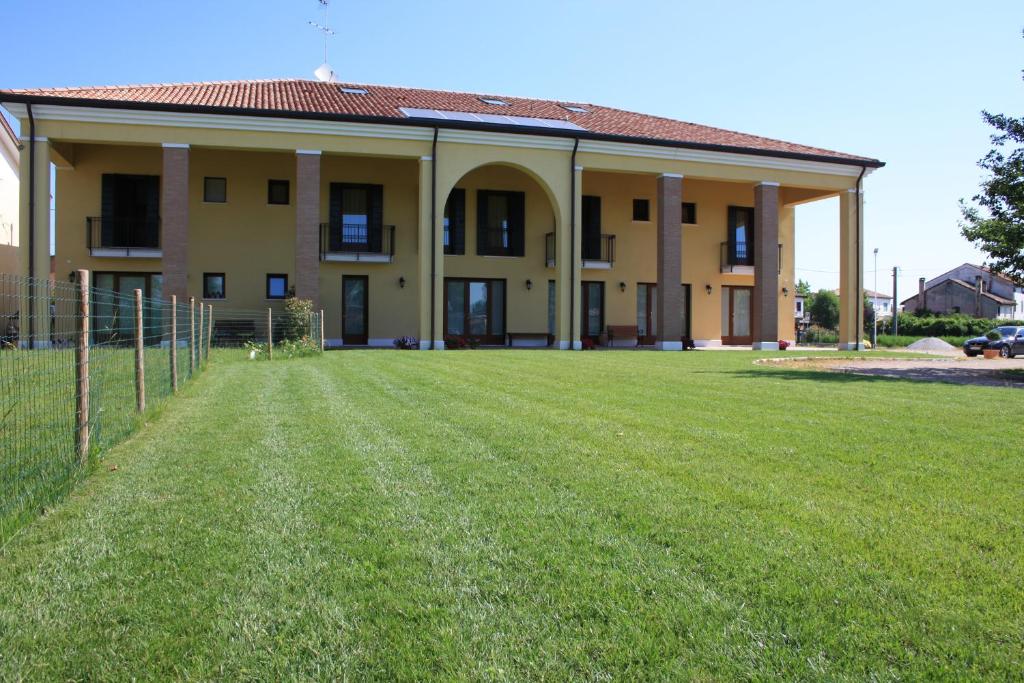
[(270, 334), (82, 367), (174, 343), (321, 330), (140, 364), (199, 349), (191, 336), (209, 331)]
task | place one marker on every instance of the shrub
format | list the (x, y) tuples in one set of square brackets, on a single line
[(460, 342), (289, 348), (406, 343), (783, 345), (816, 334), (587, 344), (296, 317)]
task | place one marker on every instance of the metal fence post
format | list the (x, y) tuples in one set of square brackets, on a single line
[(191, 336), (270, 334), (140, 365), (174, 343), (82, 367), (209, 331)]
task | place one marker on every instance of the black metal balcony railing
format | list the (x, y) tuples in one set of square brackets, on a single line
[(599, 249), (122, 237), (549, 250), (357, 242), (733, 255)]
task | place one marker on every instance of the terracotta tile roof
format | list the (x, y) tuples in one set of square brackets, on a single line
[(312, 98)]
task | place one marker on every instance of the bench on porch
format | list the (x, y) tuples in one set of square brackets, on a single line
[(627, 334), (540, 338), (233, 332)]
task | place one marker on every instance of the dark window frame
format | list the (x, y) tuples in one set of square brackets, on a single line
[(273, 183), (641, 210), (342, 238), (271, 276), (206, 190), (491, 337), (691, 208), (224, 286), (516, 204), (733, 226), (455, 225)]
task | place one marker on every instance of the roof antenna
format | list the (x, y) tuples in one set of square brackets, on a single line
[(324, 72)]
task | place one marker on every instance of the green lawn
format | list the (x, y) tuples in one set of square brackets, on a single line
[(535, 515)]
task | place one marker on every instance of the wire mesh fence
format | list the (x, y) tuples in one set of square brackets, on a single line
[(80, 365)]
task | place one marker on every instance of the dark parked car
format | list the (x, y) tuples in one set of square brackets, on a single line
[(1010, 342)]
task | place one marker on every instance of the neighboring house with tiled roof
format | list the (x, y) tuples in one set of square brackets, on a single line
[(404, 211), (970, 289), (880, 300), (9, 173)]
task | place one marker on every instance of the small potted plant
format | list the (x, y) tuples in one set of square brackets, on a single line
[(990, 351)]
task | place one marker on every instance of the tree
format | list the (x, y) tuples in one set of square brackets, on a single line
[(824, 309), (803, 288), (995, 221)]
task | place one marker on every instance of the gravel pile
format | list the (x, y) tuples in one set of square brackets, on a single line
[(930, 344)]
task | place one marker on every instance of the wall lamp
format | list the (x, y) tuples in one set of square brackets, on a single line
[(707, 288), (622, 286), (401, 282), (785, 291), (529, 283)]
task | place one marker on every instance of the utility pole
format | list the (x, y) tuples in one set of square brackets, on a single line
[(895, 304), (874, 307)]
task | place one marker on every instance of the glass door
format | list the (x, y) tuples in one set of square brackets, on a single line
[(354, 310), (592, 311), (475, 309), (736, 315), (646, 313)]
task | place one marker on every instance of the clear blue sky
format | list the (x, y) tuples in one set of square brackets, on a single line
[(900, 81)]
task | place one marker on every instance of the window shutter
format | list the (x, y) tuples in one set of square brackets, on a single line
[(750, 236), (375, 217), (591, 227), (483, 244), (107, 209), (334, 218), (152, 229), (457, 221), (517, 220)]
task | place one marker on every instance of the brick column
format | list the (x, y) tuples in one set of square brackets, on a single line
[(174, 219), (851, 281), (670, 258), (307, 226), (765, 325)]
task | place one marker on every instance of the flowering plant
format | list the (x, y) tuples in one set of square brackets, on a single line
[(587, 344), (406, 343), (783, 345)]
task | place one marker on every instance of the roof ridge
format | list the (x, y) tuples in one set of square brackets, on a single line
[(124, 86)]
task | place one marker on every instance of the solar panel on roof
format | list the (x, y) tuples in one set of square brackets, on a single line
[(496, 119)]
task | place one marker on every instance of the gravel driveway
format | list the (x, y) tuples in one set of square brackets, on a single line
[(952, 369)]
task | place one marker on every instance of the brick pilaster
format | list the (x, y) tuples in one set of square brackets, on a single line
[(307, 226), (670, 257), (174, 219), (765, 325)]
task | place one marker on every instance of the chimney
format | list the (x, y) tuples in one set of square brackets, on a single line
[(978, 283), (922, 297)]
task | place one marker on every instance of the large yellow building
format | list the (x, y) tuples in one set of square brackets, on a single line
[(432, 214)]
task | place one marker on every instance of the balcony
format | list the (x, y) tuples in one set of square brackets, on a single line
[(122, 238), (739, 259), (598, 254), (357, 242)]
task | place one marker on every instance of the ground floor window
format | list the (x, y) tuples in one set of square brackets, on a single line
[(476, 309), (737, 316), (592, 310), (113, 307), (552, 293), (647, 312)]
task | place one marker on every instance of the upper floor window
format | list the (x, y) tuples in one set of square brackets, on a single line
[(455, 222), (130, 211), (689, 213), (741, 236), (500, 227), (278, 192), (357, 217), (215, 190), (641, 210)]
